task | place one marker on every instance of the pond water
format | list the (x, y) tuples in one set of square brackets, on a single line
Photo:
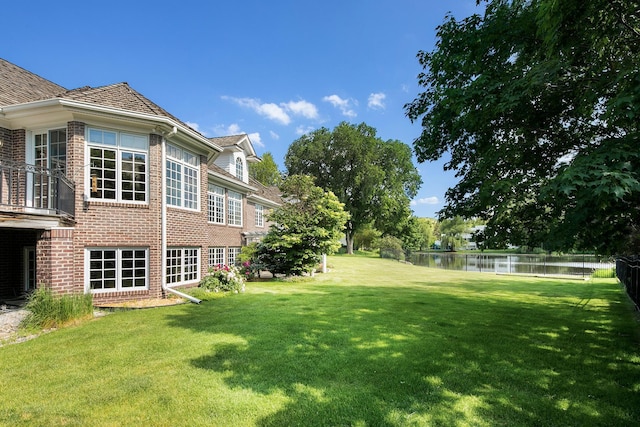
[(574, 265)]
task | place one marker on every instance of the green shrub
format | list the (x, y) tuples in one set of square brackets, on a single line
[(223, 278), (248, 263), (47, 310), (604, 273), (391, 247)]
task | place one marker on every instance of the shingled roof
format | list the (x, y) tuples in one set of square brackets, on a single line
[(268, 192), (228, 141), (120, 96), (18, 85)]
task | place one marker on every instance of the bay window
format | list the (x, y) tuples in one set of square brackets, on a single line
[(118, 168), (183, 178)]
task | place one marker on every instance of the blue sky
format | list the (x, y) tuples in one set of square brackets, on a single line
[(272, 69)]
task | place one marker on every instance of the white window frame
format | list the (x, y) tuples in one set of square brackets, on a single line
[(217, 256), (240, 168), (259, 216), (183, 265), (183, 178), (216, 204), (232, 254), (120, 143), (234, 208), (118, 270)]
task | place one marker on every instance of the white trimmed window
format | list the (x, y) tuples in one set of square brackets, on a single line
[(183, 178), (118, 166), (183, 265), (233, 254), (239, 169), (259, 216), (216, 256), (117, 269), (216, 204), (234, 208)]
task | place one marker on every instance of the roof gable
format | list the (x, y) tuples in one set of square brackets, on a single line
[(18, 86), (120, 96), (238, 142)]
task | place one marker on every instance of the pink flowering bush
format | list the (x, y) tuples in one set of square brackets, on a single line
[(249, 270), (224, 278)]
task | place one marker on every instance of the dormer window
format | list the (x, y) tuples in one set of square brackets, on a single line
[(239, 169)]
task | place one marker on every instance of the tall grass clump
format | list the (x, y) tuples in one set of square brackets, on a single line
[(47, 310), (604, 273)]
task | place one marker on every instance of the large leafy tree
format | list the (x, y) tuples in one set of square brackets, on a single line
[(266, 171), (537, 103), (373, 178), (308, 224)]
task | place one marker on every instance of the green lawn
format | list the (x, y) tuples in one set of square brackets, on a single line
[(372, 343)]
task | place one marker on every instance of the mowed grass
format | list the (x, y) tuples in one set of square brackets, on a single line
[(371, 343)]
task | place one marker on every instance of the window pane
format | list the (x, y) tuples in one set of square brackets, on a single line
[(133, 185), (234, 205), (190, 159), (111, 169), (102, 137), (174, 152), (102, 173), (174, 183), (134, 141)]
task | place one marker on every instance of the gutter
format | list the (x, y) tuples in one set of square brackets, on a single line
[(87, 108), (163, 227)]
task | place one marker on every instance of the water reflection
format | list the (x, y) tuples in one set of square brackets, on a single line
[(575, 265)]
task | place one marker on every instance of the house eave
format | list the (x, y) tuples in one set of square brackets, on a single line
[(19, 115), (232, 183), (262, 200)]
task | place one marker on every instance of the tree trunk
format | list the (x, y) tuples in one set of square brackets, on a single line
[(349, 238)]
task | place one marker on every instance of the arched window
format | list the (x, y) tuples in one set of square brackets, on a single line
[(239, 169)]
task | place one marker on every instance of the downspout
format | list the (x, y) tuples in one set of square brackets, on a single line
[(163, 225)]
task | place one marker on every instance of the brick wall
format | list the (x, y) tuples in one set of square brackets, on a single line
[(18, 145), (118, 225), (61, 252), (186, 228), (55, 261)]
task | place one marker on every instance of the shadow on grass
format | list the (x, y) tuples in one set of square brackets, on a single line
[(427, 355)]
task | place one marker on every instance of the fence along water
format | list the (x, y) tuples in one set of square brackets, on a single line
[(571, 265), (628, 272)]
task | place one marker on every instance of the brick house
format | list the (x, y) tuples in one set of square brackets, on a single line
[(103, 191)]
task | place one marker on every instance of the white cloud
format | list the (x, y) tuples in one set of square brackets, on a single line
[(301, 108), (343, 104), (273, 112), (270, 110), (274, 135), (256, 140), (302, 130), (193, 125), (376, 101), (233, 129), (426, 201)]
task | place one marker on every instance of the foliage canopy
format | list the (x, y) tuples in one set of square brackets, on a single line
[(374, 179), (308, 224), (266, 171), (537, 103)]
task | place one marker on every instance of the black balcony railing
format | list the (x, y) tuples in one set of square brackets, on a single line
[(24, 187)]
